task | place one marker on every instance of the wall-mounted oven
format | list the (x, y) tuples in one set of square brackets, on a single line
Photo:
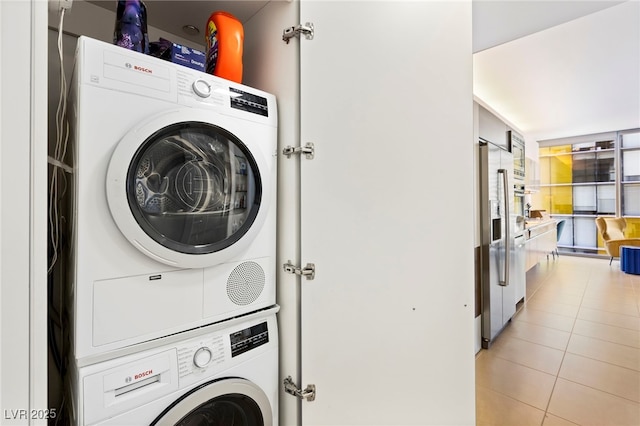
[(518, 207), (516, 144)]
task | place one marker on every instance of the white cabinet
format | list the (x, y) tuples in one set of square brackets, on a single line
[(391, 306), (532, 175), (518, 273), (542, 241), (492, 128)]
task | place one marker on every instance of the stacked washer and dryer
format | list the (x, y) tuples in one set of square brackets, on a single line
[(172, 297)]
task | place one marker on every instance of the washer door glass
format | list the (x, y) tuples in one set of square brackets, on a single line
[(194, 188), (225, 402), (227, 410)]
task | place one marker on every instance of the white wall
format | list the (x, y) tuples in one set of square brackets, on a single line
[(23, 294)]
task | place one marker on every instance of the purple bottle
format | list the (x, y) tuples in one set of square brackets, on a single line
[(131, 26)]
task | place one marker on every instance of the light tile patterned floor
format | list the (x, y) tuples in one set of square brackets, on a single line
[(571, 356)]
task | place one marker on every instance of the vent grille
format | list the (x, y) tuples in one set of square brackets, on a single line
[(245, 283)]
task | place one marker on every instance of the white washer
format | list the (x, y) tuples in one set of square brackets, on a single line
[(174, 198), (230, 369)]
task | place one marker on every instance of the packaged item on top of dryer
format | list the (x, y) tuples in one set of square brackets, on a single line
[(131, 26), (224, 38), (178, 54)]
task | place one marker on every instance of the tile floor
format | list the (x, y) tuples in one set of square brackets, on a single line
[(571, 356)]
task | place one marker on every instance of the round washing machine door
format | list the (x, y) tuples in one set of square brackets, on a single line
[(227, 402), (187, 192)]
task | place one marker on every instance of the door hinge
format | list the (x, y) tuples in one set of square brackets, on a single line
[(308, 150), (295, 31), (309, 271), (309, 393)]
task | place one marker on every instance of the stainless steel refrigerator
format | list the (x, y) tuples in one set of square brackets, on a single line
[(497, 240)]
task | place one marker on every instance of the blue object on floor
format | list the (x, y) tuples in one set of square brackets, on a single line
[(630, 259)]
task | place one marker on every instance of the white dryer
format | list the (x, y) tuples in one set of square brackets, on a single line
[(226, 375), (174, 198)]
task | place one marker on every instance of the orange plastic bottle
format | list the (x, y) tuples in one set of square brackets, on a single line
[(224, 39)]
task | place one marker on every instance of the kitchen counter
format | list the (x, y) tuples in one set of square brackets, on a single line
[(536, 227), (541, 240)]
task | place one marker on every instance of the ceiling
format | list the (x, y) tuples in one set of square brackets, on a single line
[(577, 78), (551, 68), (497, 22)]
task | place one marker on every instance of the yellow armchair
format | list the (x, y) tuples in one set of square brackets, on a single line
[(612, 231)]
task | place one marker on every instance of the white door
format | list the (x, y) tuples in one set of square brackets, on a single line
[(387, 324)]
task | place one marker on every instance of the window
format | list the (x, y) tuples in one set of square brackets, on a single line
[(585, 177), (630, 154)]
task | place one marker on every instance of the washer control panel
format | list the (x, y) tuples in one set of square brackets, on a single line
[(197, 356), (209, 355), (202, 357), (201, 88), (249, 338)]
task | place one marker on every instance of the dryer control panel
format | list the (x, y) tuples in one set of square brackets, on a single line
[(111, 67), (249, 102)]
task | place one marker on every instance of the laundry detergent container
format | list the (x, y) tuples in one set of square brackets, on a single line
[(224, 40), (131, 26)]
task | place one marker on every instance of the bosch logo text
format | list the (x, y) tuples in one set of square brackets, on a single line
[(143, 374), (142, 69)]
